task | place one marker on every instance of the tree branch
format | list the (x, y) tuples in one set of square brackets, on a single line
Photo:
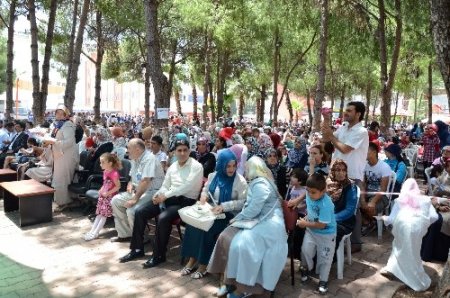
[(297, 63), (89, 57), (3, 21)]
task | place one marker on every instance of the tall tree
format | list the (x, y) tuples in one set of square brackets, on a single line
[(40, 89), (154, 65), (387, 79), (74, 63), (10, 60), (321, 68), (440, 24)]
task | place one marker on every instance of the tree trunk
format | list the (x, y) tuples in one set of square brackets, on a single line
[(207, 68), (222, 74), (308, 104), (177, 101), (289, 106), (10, 60), (322, 67), (34, 57), (147, 97), (172, 68), (241, 106), (395, 111), (368, 95), (71, 48), (194, 98), (341, 107), (415, 104), (375, 104), (276, 75), (258, 108), (332, 84), (387, 80), (154, 64), (262, 105), (210, 87), (98, 65), (430, 93), (69, 96), (440, 24), (39, 116)]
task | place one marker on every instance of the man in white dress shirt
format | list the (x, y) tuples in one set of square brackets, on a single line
[(351, 143)]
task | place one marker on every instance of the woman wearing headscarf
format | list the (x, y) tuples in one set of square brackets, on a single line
[(229, 190), (252, 147), (298, 156), (411, 216), (203, 156), (253, 259), (264, 142), (343, 193), (65, 155), (102, 145), (119, 142), (396, 163), (443, 133), (278, 171), (241, 152)]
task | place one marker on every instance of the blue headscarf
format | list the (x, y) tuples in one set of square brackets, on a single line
[(222, 180)]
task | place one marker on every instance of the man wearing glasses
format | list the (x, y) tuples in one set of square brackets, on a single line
[(181, 188)]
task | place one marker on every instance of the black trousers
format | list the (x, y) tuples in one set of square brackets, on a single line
[(164, 226)]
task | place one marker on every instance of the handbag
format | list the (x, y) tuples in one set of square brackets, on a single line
[(290, 214), (199, 216)]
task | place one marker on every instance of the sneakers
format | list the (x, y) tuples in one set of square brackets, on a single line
[(323, 288), (304, 274)]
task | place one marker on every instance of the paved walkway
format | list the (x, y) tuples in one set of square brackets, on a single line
[(52, 260)]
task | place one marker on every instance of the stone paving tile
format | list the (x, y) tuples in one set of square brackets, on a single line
[(53, 260)]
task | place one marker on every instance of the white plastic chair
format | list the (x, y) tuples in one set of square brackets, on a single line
[(345, 243), (389, 190)]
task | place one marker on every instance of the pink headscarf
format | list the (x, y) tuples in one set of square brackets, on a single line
[(409, 195), (237, 149)]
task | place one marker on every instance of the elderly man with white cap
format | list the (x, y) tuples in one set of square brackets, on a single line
[(65, 155)]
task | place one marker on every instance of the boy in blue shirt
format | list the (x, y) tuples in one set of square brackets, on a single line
[(320, 235)]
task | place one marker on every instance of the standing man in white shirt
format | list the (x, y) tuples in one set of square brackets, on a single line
[(351, 142)]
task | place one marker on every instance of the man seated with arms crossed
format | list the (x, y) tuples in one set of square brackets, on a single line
[(147, 176), (181, 188), (376, 179)]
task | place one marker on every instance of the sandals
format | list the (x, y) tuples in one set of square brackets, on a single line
[(199, 275), (187, 270)]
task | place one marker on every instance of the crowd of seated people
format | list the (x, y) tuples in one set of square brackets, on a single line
[(244, 172)]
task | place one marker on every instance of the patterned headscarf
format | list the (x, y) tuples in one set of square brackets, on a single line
[(198, 154), (264, 142), (221, 179), (255, 147), (237, 139), (295, 155), (273, 168), (334, 187)]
